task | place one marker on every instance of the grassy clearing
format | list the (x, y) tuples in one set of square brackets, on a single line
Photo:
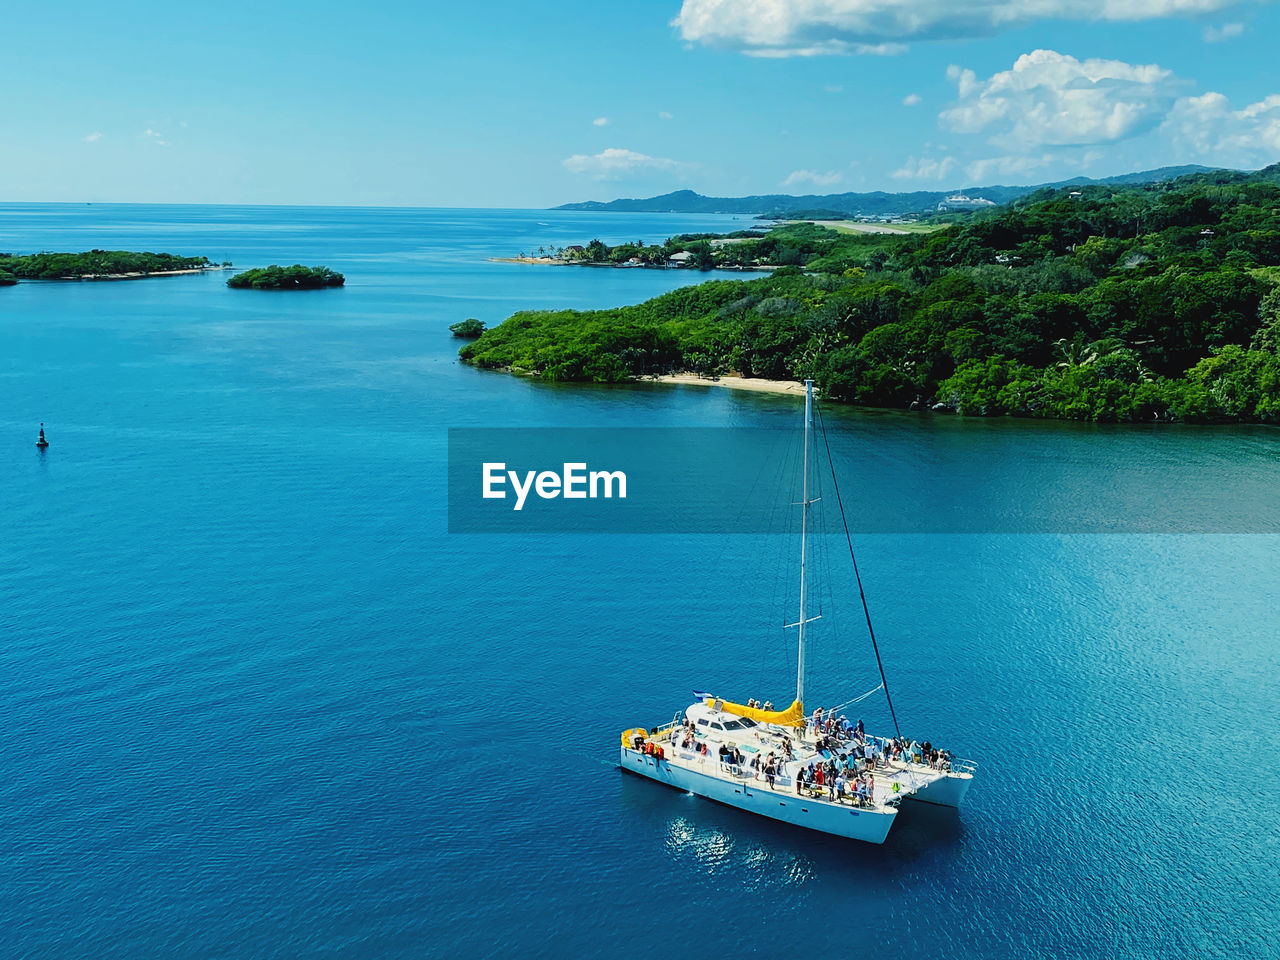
[(853, 226)]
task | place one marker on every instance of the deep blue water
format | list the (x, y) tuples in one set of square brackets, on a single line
[(258, 702)]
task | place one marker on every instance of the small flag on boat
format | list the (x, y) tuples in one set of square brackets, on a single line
[(700, 695)]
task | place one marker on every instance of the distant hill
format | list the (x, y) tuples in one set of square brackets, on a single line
[(876, 204)]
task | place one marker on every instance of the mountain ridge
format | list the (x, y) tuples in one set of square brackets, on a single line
[(873, 203)]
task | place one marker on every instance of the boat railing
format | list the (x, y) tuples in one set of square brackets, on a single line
[(957, 764), (785, 783), (909, 778)]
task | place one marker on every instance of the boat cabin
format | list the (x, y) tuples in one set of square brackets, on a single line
[(717, 723)]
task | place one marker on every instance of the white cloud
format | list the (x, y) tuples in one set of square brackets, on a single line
[(911, 99), (828, 48), (880, 49), (925, 168), (815, 27), (91, 137), (1224, 32), (664, 115), (600, 122), (1049, 98), (1208, 127), (833, 89), (155, 137), (1006, 166), (615, 163), (828, 179)]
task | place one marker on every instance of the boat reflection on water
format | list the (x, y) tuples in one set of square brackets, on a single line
[(761, 853), (754, 865)]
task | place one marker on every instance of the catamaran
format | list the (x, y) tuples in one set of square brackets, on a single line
[(810, 770)]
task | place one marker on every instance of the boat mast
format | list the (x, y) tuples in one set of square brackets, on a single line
[(804, 530)]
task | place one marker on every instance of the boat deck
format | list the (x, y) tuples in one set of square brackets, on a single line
[(894, 780)]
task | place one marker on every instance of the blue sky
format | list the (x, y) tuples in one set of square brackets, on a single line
[(526, 105)]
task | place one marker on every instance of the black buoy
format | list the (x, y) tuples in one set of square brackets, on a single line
[(42, 442)]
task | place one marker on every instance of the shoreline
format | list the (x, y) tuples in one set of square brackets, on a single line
[(754, 384), (137, 275), (554, 262)]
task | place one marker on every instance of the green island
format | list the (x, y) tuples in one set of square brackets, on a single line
[(296, 277), (1106, 303), (96, 265), (468, 329), (795, 244)]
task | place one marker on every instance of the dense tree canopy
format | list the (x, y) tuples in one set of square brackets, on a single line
[(92, 263), (296, 277), (469, 328), (1101, 303), (797, 244)]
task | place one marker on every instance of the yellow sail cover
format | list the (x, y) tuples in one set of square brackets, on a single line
[(793, 716)]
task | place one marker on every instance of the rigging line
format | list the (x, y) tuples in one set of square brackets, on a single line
[(849, 703), (835, 484)]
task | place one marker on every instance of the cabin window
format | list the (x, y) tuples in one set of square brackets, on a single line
[(733, 724), (702, 723), (716, 726), (747, 722)]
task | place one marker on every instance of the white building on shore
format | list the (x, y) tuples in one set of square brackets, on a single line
[(960, 201)]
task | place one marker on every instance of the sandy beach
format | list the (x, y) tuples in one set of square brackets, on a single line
[(137, 275), (734, 383)]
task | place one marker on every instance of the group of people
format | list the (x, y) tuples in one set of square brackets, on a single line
[(730, 756), (838, 781), (685, 736), (768, 767), (903, 750), (757, 705), (832, 732), (648, 747), (848, 770), (825, 723)]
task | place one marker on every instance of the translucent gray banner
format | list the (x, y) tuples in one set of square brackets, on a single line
[(714, 480)]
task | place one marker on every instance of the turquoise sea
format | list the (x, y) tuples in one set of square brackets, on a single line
[(258, 702)]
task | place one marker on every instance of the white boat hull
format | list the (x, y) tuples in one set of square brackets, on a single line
[(947, 791), (842, 820)]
